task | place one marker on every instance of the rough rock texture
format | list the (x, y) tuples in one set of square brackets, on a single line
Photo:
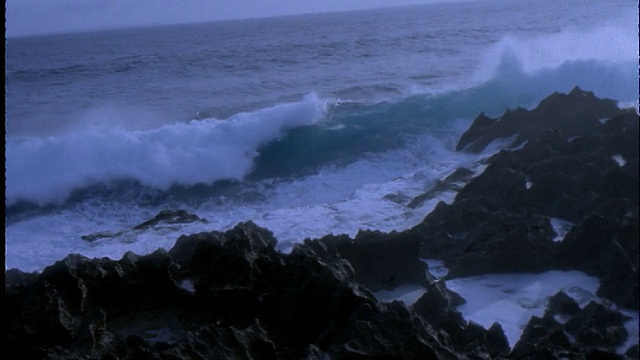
[(453, 182), (213, 296), (162, 219), (576, 165), (590, 333), (380, 261), (233, 296), (577, 112), (170, 217)]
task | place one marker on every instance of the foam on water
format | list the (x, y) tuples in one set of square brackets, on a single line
[(361, 159), (619, 159), (408, 294), (335, 200), (436, 268), (561, 228), (512, 299), (613, 43), (45, 170), (602, 59)]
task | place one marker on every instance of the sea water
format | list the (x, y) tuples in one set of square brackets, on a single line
[(306, 125)]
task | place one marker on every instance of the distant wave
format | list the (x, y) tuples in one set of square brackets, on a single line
[(603, 60)]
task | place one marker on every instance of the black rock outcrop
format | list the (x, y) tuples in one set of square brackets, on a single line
[(164, 218), (573, 164), (578, 112), (214, 296)]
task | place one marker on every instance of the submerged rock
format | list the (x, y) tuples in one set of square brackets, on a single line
[(163, 218), (170, 217)]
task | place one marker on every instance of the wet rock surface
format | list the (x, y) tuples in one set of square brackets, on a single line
[(165, 218), (213, 296), (563, 170), (231, 295)]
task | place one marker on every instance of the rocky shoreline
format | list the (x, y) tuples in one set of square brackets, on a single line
[(572, 160)]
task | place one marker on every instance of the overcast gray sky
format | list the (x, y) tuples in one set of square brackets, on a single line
[(36, 17)]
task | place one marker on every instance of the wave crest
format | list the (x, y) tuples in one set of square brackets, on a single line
[(45, 170)]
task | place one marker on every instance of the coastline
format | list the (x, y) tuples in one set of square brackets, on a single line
[(229, 295)]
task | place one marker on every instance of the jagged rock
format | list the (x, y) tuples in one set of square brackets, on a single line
[(232, 295), (543, 338), (102, 235), (563, 304), (572, 167), (498, 248), (496, 340), (437, 306), (596, 247), (164, 217), (596, 325), (593, 332), (633, 352), (247, 301), (394, 333), (454, 181), (578, 111), (169, 217), (380, 261)]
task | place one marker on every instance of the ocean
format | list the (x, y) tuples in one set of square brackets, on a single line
[(306, 125)]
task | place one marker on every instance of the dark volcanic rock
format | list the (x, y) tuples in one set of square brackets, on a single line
[(544, 338), (603, 248), (436, 299), (169, 217), (594, 332), (213, 296), (437, 307), (163, 218), (380, 261), (563, 304), (596, 325), (568, 166), (454, 181), (231, 295), (577, 112)]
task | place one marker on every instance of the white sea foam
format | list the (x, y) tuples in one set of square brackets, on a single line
[(512, 299), (560, 227), (619, 159), (528, 184), (632, 329), (47, 169), (612, 44), (408, 294), (339, 200), (559, 62), (436, 268)]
